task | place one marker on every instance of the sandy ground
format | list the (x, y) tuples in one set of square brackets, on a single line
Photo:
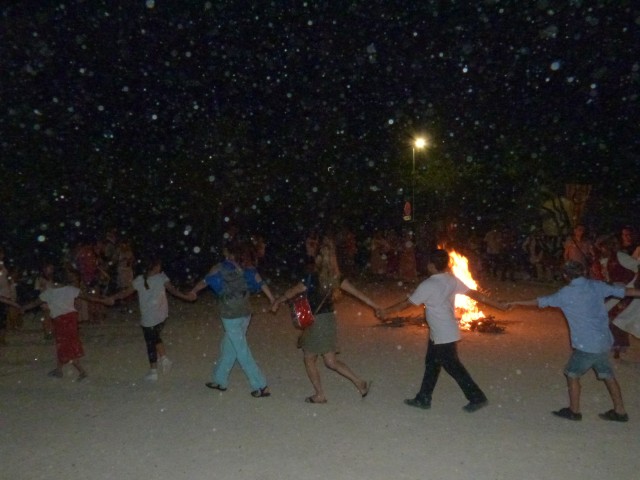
[(116, 426)]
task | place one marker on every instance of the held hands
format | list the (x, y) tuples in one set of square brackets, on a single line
[(381, 313), (503, 306), (276, 304), (108, 301)]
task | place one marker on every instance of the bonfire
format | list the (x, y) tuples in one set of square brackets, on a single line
[(467, 311)]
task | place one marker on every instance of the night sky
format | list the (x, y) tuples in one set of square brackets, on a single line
[(168, 115)]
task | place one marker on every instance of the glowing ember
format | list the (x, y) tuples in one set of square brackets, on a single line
[(466, 307)]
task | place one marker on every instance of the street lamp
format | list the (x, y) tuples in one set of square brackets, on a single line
[(418, 143)]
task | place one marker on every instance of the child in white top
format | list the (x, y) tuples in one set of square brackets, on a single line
[(152, 289)]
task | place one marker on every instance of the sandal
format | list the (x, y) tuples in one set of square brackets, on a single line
[(215, 386), (314, 399), (262, 392)]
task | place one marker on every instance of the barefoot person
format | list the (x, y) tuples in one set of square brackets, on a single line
[(437, 294), (320, 339), (582, 303)]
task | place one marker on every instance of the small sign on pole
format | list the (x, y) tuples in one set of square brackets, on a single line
[(407, 213)]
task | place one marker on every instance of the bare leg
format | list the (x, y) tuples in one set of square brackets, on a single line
[(310, 365), (161, 353), (336, 365), (616, 395), (82, 372), (574, 387), (47, 326), (160, 350)]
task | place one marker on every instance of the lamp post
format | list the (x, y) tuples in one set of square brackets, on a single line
[(418, 143)]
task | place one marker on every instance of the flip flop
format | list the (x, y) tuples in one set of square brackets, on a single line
[(215, 386), (312, 399)]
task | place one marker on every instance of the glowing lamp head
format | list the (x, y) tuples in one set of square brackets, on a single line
[(420, 143)]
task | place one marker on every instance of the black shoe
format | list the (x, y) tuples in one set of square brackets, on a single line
[(215, 386), (419, 403), (474, 406), (568, 414), (614, 416)]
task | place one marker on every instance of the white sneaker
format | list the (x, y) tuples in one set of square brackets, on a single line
[(152, 376), (166, 364)]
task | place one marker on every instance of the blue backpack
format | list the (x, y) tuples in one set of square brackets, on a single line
[(232, 281)]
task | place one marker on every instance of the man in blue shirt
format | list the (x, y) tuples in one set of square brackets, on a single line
[(582, 303)]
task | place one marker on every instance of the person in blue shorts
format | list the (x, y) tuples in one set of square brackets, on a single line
[(582, 303)]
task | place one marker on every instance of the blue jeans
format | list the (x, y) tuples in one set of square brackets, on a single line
[(234, 347)]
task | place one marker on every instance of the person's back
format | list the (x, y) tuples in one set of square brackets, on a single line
[(152, 297), (233, 291), (582, 303)]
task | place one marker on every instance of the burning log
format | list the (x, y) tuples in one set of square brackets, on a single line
[(486, 325)]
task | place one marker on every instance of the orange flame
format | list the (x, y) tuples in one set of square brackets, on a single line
[(466, 307)]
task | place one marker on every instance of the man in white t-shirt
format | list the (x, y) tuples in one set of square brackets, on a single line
[(437, 294)]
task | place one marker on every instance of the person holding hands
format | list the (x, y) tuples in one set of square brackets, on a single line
[(437, 294), (582, 302), (60, 300), (152, 287), (319, 284), (233, 280)]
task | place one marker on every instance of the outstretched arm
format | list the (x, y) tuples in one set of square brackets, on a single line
[(108, 301), (288, 295), (123, 293), (33, 304), (193, 294), (8, 301), (350, 289), (396, 307), (267, 291), (476, 295), (177, 293), (523, 303)]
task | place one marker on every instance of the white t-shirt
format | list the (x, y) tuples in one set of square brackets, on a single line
[(438, 294), (60, 300), (154, 308)]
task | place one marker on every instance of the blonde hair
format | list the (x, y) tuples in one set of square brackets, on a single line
[(327, 265)]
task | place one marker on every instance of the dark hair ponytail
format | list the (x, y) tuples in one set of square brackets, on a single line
[(150, 264)]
